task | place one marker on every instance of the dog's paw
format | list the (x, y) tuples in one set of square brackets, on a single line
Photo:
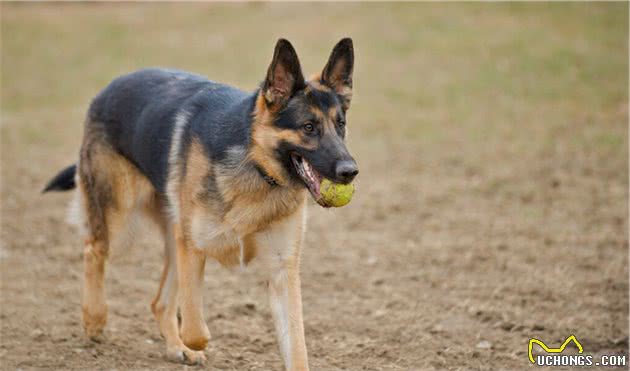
[(93, 324), (196, 337), (95, 333), (198, 343), (185, 355), (97, 338)]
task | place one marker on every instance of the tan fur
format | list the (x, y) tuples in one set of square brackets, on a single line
[(266, 136), (341, 88), (315, 83), (111, 190), (282, 242), (190, 267), (245, 204), (244, 208), (113, 195), (321, 117), (245, 212), (223, 210), (94, 308), (236, 214)]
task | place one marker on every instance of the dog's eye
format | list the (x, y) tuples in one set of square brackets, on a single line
[(308, 127), (341, 123)]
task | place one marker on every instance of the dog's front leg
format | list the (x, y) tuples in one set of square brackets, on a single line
[(286, 306), (283, 244), (190, 268)]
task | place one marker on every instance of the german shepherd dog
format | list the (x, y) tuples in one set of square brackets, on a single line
[(223, 173)]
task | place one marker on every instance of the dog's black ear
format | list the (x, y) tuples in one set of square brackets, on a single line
[(284, 76), (338, 71)]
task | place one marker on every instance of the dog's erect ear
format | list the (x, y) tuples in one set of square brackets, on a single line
[(284, 76), (338, 71)]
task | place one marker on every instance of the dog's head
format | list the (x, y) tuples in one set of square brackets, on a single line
[(300, 126)]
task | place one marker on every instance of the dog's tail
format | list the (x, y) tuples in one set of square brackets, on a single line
[(64, 181)]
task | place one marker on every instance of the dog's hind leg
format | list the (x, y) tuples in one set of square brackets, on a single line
[(94, 308), (111, 191), (94, 261), (93, 199), (164, 306)]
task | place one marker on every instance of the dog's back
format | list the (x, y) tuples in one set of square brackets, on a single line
[(138, 114)]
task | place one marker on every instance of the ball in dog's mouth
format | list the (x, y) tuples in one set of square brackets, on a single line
[(334, 195)]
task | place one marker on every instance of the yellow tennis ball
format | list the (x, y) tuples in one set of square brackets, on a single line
[(334, 194)]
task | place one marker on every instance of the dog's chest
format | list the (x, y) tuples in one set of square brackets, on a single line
[(244, 215)]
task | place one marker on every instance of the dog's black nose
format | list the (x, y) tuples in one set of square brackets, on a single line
[(346, 170)]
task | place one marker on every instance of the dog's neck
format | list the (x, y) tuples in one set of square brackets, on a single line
[(261, 151), (268, 178)]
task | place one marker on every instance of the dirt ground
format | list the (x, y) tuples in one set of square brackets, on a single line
[(492, 204)]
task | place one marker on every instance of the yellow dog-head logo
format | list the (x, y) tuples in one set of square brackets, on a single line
[(552, 350)]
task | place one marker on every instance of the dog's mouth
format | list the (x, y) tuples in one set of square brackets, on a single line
[(311, 178)]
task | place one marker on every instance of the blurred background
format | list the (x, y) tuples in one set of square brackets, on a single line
[(492, 204)]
